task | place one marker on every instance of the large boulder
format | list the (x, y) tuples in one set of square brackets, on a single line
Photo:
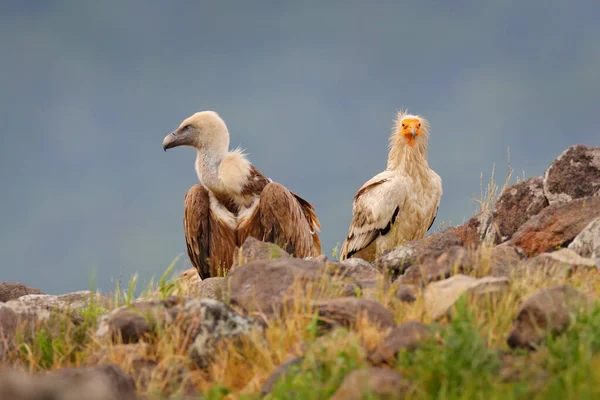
[(556, 225), (550, 310), (14, 290), (559, 263), (574, 174), (265, 286), (517, 204)]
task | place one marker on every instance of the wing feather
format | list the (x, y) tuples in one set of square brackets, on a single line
[(210, 242), (375, 208), (280, 218)]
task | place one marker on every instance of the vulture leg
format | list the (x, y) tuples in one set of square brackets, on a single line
[(288, 221), (210, 242)]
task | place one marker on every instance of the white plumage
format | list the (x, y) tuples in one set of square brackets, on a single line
[(400, 203)]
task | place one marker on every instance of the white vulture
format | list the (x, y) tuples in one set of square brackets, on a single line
[(399, 204), (235, 201)]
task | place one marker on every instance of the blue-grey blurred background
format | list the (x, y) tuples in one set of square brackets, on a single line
[(88, 90)]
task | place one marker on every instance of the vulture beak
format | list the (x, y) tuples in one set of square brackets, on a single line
[(177, 138), (413, 131)]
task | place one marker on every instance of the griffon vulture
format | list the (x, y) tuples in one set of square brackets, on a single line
[(399, 204), (235, 201)]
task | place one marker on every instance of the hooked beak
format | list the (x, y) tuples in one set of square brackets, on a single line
[(413, 131), (176, 138)]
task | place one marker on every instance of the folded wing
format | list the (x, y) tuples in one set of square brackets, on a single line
[(376, 206)]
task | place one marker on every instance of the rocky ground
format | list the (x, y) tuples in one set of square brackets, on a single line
[(504, 306)]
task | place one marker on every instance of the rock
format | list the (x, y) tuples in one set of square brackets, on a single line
[(587, 242), (263, 286), (347, 311), (132, 323), (279, 373), (133, 358), (203, 322), (428, 272), (211, 288), (477, 230), (557, 262), (556, 225), (71, 301), (517, 204), (106, 382), (547, 310), (372, 383), (322, 258), (210, 322), (407, 335), (32, 312), (253, 249), (187, 283), (440, 296), (574, 174), (504, 259), (356, 270), (14, 290), (404, 293), (395, 262)]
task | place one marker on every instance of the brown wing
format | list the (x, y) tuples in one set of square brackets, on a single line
[(209, 242), (281, 218), (313, 221)]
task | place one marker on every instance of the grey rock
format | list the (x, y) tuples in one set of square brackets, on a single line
[(407, 335), (106, 382), (587, 242), (441, 296), (547, 310)]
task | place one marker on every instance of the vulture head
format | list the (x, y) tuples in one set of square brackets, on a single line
[(412, 128), (205, 130)]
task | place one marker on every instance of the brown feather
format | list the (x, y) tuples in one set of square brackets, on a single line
[(210, 243), (256, 182), (282, 219)]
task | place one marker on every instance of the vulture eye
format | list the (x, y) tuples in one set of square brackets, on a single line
[(404, 125), (419, 125)]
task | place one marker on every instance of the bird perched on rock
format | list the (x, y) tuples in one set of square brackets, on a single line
[(399, 204), (235, 201)]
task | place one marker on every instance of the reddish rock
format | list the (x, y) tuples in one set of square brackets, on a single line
[(556, 225), (574, 174), (517, 204), (478, 229)]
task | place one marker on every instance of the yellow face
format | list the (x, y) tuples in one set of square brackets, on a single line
[(411, 128)]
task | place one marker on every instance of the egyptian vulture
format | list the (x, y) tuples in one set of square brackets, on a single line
[(399, 204), (236, 200)]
